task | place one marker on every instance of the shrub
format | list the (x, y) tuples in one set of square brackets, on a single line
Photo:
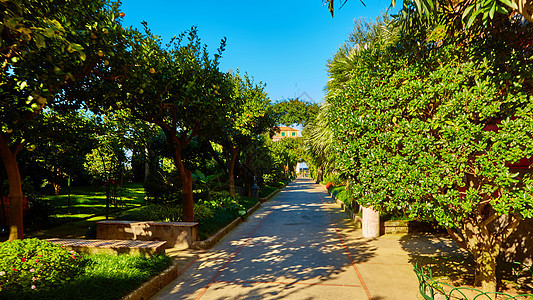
[(33, 264), (160, 189), (173, 212)]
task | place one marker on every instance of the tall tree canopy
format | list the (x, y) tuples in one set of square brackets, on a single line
[(178, 87), (295, 111), (44, 46), (440, 127)]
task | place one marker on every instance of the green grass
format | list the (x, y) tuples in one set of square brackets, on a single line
[(105, 277), (90, 201)]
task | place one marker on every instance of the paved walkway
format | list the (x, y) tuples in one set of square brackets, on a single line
[(300, 245)]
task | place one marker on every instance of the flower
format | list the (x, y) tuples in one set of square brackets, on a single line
[(37, 260), (2, 273), (39, 255), (34, 279), (14, 269), (23, 260), (33, 286), (32, 270)]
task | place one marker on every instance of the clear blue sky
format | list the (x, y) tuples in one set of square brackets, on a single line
[(285, 44)]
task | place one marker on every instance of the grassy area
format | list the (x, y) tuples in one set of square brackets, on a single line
[(105, 277), (83, 225), (89, 201)]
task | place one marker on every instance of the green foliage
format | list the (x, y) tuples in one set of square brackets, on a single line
[(267, 190), (431, 127), (162, 188), (227, 210), (33, 264), (295, 111), (104, 277), (172, 212)]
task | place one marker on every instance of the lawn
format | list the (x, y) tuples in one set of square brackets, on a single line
[(89, 201)]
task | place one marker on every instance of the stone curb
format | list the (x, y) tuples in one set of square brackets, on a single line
[(358, 221), (212, 240), (152, 286), (274, 193)]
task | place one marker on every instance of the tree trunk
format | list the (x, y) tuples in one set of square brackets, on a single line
[(16, 228), (483, 238), (186, 181), (231, 172), (485, 272)]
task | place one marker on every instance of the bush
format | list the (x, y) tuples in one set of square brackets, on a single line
[(172, 212), (160, 190), (34, 264)]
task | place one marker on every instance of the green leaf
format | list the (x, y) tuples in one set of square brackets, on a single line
[(492, 10), (510, 3)]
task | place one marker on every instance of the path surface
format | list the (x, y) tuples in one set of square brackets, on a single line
[(300, 245)]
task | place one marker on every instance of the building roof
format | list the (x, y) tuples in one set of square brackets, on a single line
[(284, 128)]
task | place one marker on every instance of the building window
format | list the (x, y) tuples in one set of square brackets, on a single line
[(283, 134), (294, 134)]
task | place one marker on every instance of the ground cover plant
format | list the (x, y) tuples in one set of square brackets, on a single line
[(267, 190), (49, 271)]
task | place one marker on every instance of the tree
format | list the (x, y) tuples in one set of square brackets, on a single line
[(177, 87), (295, 111), (436, 130), (318, 139), (468, 10), (45, 45), (249, 116)]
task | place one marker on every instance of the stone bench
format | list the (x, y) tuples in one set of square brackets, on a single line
[(179, 235), (112, 246)]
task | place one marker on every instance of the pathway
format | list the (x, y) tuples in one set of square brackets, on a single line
[(300, 245)]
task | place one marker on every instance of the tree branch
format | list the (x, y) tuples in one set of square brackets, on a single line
[(457, 238)]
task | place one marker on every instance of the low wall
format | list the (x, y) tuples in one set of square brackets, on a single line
[(177, 234)]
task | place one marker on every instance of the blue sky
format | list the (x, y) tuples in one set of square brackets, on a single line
[(285, 44)]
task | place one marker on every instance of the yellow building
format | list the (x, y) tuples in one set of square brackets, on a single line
[(284, 132)]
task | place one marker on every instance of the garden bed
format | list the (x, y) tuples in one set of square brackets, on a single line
[(104, 277)]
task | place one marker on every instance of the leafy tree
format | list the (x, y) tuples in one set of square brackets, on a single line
[(286, 153), (63, 141), (467, 10), (249, 116), (295, 111), (45, 45), (177, 87), (318, 139), (435, 129)]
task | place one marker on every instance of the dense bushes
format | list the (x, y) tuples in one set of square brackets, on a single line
[(103, 277), (33, 264)]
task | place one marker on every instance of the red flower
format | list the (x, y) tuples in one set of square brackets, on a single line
[(73, 256), (37, 260), (23, 260), (14, 269), (40, 255)]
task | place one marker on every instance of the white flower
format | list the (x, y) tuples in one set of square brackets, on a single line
[(2, 273)]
